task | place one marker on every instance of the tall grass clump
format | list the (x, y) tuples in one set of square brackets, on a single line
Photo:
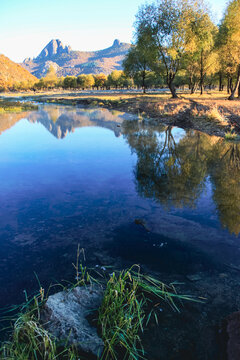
[(130, 300), (214, 114), (231, 136), (125, 312)]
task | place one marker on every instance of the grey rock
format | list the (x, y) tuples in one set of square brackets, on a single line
[(64, 316)]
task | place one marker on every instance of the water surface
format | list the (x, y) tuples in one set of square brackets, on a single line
[(127, 192)]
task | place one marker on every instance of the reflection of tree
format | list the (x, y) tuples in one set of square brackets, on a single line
[(174, 172), (225, 175)]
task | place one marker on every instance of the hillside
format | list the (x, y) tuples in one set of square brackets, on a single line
[(11, 73), (69, 62)]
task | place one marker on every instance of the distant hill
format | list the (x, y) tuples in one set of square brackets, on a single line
[(69, 62), (11, 73)]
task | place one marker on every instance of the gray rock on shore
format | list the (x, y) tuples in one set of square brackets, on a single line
[(64, 316)]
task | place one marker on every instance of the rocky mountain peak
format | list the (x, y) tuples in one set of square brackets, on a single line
[(116, 43), (54, 47)]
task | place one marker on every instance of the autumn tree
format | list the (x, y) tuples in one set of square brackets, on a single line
[(51, 79), (229, 43), (100, 80), (200, 57), (168, 22), (85, 81)]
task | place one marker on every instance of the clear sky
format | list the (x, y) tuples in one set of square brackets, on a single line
[(26, 26)]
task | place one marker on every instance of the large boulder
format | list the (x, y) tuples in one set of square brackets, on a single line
[(64, 316)]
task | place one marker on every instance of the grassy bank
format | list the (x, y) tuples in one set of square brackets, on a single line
[(130, 300), (7, 106), (211, 113)]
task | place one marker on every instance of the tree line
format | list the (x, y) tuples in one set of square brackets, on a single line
[(176, 44), (178, 40)]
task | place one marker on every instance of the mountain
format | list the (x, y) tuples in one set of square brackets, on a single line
[(69, 62), (11, 73)]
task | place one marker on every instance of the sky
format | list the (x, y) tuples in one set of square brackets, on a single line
[(26, 26)]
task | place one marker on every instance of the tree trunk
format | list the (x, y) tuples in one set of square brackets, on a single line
[(143, 79), (228, 84), (172, 89), (239, 90), (231, 97), (201, 73), (220, 81)]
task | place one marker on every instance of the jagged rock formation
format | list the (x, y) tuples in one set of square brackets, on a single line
[(69, 62), (54, 47), (12, 73)]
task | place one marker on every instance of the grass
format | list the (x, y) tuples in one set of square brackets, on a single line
[(215, 115), (231, 136), (15, 106), (130, 300)]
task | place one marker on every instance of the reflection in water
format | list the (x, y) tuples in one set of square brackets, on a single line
[(173, 165), (89, 188), (175, 172), (63, 120), (225, 175)]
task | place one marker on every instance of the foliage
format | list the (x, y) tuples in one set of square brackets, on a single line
[(126, 309), (124, 314)]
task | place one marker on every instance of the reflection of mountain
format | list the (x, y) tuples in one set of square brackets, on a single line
[(173, 170), (8, 120), (62, 120)]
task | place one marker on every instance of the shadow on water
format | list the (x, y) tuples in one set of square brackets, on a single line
[(135, 245)]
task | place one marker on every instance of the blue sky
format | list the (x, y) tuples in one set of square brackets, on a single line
[(26, 26)]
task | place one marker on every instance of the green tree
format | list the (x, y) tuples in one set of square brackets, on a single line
[(70, 82), (140, 58)]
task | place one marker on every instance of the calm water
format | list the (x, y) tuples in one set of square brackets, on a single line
[(75, 176)]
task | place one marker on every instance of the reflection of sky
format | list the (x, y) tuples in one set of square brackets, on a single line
[(55, 193), (29, 154)]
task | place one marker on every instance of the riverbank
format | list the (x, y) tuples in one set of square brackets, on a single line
[(211, 113)]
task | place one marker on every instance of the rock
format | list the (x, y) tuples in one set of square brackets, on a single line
[(64, 316), (54, 47), (195, 277), (233, 333), (142, 223)]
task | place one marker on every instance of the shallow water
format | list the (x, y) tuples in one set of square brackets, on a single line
[(74, 176)]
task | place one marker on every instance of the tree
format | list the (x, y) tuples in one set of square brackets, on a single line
[(116, 78), (100, 80), (229, 44), (70, 82), (50, 80), (167, 21), (139, 58), (200, 57), (85, 81)]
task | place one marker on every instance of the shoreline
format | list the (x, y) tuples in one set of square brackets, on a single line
[(214, 116)]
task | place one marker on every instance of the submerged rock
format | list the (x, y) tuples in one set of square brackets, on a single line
[(233, 334), (65, 313)]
